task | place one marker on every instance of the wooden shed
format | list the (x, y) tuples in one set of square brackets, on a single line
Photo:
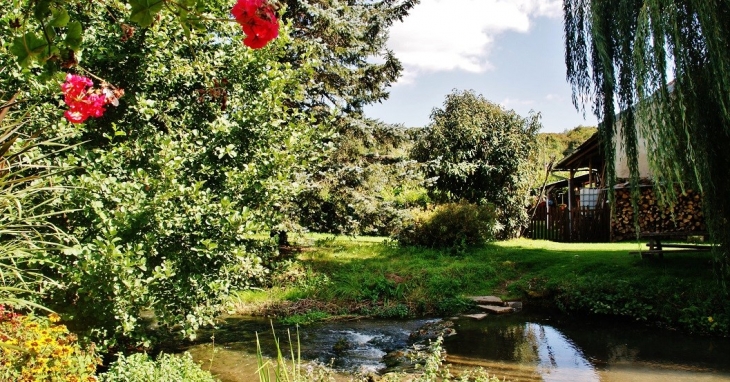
[(588, 217)]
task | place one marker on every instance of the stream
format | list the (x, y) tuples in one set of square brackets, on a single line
[(519, 347)]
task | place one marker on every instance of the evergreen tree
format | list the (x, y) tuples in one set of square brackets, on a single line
[(343, 43), (347, 39)]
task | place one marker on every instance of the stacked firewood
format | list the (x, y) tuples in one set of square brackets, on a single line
[(685, 216)]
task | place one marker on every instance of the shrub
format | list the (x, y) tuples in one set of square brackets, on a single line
[(34, 348), (165, 191), (451, 225), (476, 150), (167, 368)]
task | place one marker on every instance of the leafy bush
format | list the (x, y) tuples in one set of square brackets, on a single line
[(305, 318), (476, 150), (34, 348), (387, 311), (167, 189), (451, 225), (367, 184), (166, 368), (380, 288)]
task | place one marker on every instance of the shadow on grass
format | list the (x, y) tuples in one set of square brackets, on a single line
[(429, 281)]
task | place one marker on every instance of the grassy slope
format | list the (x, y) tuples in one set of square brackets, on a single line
[(368, 276)]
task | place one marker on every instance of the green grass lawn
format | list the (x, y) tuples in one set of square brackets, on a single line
[(373, 276)]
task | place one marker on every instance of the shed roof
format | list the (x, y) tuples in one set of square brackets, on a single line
[(578, 180), (587, 156)]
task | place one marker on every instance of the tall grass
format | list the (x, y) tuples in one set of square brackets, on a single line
[(282, 370), (27, 199)]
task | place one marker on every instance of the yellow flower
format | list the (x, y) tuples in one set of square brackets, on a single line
[(33, 345), (710, 319), (53, 317)]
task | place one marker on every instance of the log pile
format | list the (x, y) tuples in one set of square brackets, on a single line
[(685, 216)]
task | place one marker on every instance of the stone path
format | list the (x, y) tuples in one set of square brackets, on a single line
[(493, 305)]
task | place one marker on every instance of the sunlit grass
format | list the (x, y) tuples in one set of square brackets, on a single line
[(379, 277)]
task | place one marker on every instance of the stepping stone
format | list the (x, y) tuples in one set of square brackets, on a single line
[(516, 305), (496, 309), (477, 316), (486, 300)]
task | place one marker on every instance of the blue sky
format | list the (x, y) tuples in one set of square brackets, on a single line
[(510, 51)]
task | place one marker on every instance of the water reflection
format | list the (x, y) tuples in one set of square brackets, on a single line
[(533, 348), (523, 351), (558, 359)]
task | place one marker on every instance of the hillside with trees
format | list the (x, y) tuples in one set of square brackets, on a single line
[(552, 147)]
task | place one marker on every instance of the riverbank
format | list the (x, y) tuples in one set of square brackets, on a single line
[(375, 277)]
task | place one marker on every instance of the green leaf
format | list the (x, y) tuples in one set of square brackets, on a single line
[(185, 27), (59, 18), (27, 47), (144, 11), (73, 35), (50, 32), (42, 9)]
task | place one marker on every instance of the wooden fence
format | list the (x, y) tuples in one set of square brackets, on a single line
[(582, 225)]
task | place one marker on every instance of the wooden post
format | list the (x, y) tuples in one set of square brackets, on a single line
[(590, 173), (570, 204)]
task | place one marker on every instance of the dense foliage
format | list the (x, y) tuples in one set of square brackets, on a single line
[(451, 225), (27, 191), (367, 185), (168, 187), (478, 151), (365, 181), (208, 143), (623, 54), (165, 368), (348, 38)]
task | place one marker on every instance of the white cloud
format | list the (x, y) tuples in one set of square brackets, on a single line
[(554, 97), (512, 102), (446, 35)]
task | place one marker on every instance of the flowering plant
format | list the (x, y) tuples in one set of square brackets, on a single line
[(258, 21), (36, 348), (84, 101)]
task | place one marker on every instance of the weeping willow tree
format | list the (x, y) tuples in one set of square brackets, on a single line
[(659, 71)]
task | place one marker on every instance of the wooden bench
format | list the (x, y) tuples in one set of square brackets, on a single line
[(657, 248)]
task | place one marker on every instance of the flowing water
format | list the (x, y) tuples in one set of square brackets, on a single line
[(519, 347)]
